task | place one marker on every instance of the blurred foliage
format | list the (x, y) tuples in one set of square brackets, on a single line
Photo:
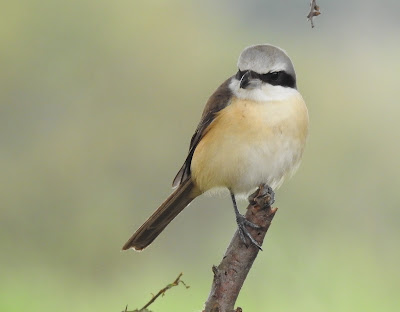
[(99, 100)]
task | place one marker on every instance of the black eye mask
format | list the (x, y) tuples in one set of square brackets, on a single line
[(279, 78)]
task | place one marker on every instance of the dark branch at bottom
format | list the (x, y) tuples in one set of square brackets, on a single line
[(231, 273)]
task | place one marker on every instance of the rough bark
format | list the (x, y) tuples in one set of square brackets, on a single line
[(231, 273)]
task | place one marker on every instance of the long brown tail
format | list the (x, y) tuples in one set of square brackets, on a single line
[(168, 210)]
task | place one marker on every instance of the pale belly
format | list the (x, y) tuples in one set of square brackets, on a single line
[(250, 143)]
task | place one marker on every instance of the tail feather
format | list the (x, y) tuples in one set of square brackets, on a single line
[(168, 210)]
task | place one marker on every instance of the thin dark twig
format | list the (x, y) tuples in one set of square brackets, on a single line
[(162, 291), (314, 11), (176, 282)]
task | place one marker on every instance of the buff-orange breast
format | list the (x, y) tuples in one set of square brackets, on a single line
[(250, 143)]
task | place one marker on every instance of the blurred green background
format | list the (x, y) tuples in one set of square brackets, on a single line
[(98, 102)]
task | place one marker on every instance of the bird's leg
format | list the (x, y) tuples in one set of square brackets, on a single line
[(242, 222)]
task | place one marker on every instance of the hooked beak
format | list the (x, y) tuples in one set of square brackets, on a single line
[(245, 80)]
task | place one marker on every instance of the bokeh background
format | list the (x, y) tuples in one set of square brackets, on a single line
[(98, 102)]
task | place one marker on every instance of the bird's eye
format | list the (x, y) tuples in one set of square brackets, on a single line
[(274, 76)]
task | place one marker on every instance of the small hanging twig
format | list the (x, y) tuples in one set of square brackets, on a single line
[(314, 11)]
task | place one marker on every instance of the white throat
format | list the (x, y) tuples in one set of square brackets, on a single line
[(264, 92)]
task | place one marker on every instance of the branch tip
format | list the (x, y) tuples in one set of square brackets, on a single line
[(215, 270)]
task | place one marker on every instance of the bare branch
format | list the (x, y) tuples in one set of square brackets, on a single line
[(160, 293), (231, 273), (314, 11)]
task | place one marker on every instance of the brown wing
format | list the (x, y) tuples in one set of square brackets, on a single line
[(218, 100)]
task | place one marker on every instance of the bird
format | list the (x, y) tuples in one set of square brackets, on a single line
[(253, 131)]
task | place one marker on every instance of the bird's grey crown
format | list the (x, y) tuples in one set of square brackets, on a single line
[(265, 58)]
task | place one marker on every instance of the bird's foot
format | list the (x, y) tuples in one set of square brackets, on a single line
[(263, 196), (242, 222)]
